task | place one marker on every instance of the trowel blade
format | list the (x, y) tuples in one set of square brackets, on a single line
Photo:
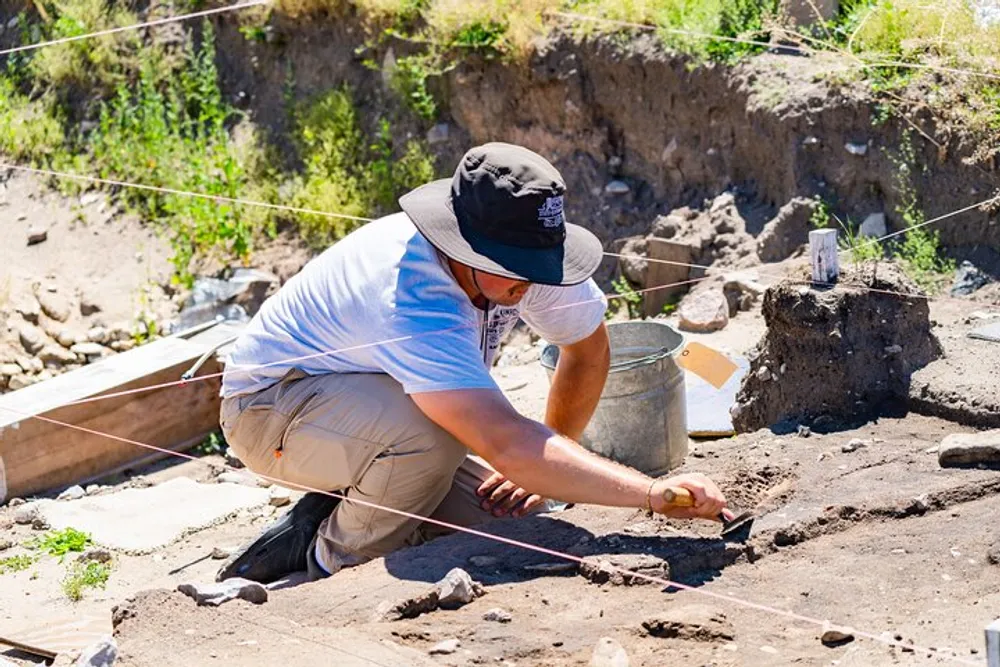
[(738, 530)]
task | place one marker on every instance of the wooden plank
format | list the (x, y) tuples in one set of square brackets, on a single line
[(823, 251), (59, 634), (38, 456), (662, 273)]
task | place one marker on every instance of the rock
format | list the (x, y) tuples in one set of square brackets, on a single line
[(633, 263), (37, 234), (232, 460), (694, 622), (67, 338), (5, 544), (617, 188), (280, 496), (970, 448), (10, 370), (609, 653), (457, 589), (667, 226), (498, 615), (968, 279), (120, 332), (438, 134), (98, 335), (484, 561), (855, 148), (852, 446), (447, 647), (89, 305), (705, 312), (32, 338), (122, 345), (833, 636), (993, 554), (237, 478), (88, 350), (28, 308), (100, 654), (424, 603), (25, 514), (787, 231), (54, 305), (57, 355), (874, 226), (215, 594), (741, 294), (97, 555), (221, 553), (16, 502), (72, 493), (40, 523), (19, 382), (93, 489)]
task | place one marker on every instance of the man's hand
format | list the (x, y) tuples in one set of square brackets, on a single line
[(708, 499), (501, 496)]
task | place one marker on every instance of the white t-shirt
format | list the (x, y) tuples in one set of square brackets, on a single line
[(383, 300)]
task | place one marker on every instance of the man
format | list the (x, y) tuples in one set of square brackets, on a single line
[(368, 374)]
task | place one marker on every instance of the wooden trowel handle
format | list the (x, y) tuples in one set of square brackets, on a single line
[(678, 497)]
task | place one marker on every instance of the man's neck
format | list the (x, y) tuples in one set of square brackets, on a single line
[(463, 275)]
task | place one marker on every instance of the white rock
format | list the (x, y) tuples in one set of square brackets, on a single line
[(447, 647), (222, 553), (26, 514), (56, 354), (704, 313), (215, 594), (93, 489), (856, 148), (98, 335), (88, 349), (970, 448), (10, 370), (617, 188), (609, 653), (237, 478), (874, 226), (72, 493), (32, 338), (54, 305), (457, 589), (280, 496), (67, 338), (19, 382), (100, 654), (852, 446), (498, 615), (122, 345)]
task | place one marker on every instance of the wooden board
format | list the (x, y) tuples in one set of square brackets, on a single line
[(59, 634), (37, 456), (659, 273)]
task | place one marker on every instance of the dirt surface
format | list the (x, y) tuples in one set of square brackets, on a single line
[(837, 354)]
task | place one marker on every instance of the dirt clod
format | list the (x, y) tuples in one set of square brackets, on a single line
[(970, 449), (694, 622), (832, 345), (215, 594)]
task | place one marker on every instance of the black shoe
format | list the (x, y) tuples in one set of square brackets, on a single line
[(282, 548)]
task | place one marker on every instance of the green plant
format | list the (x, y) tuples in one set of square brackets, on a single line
[(30, 128), (214, 443), (61, 542), (16, 563), (628, 294), (409, 80), (820, 216), (862, 249), (81, 576)]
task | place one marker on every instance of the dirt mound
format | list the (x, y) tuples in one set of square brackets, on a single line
[(843, 353)]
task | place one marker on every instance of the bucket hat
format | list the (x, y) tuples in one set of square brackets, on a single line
[(502, 213)]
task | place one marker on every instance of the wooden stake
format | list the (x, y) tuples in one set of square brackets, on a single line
[(823, 249), (993, 644), (660, 273)]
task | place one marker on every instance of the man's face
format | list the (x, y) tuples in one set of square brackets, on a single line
[(501, 291)]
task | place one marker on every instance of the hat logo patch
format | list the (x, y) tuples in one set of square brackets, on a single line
[(551, 213)]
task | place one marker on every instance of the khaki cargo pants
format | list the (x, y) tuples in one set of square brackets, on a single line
[(361, 435)]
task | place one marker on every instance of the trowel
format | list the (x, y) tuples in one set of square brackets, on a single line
[(737, 530)]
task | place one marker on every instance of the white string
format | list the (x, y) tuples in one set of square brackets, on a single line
[(135, 26)]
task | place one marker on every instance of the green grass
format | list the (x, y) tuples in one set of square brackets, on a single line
[(82, 576), (627, 295), (16, 563), (61, 542)]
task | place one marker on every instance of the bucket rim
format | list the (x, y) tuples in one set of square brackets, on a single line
[(635, 362)]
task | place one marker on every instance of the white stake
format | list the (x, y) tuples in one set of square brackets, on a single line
[(993, 644), (823, 249)]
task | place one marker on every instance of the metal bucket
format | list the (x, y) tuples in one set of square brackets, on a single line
[(641, 418)]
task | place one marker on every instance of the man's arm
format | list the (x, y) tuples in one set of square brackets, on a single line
[(533, 456), (578, 382)]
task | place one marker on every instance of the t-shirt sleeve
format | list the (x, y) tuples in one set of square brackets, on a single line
[(433, 352), (565, 315)]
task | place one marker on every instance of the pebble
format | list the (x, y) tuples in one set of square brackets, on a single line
[(16, 502), (237, 478), (457, 588), (98, 335), (705, 313), (10, 370), (5, 544), (93, 489), (96, 555), (54, 305), (102, 653), (280, 496), (221, 553), (25, 514), (215, 594), (609, 653), (447, 647), (72, 493), (804, 431), (122, 345), (617, 188), (232, 460), (88, 349), (37, 234), (66, 338), (498, 615), (853, 446), (834, 636), (32, 338), (40, 523), (856, 148)]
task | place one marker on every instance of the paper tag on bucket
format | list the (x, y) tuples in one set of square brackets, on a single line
[(711, 366)]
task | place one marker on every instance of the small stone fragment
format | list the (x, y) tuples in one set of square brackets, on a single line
[(67, 338), (102, 653), (970, 448), (97, 555), (93, 489), (40, 523), (447, 647), (852, 446), (10, 370), (5, 544), (704, 313), (37, 234), (856, 148), (498, 615), (215, 594), (804, 431), (32, 338), (25, 514), (88, 349), (221, 553), (56, 354), (98, 335), (280, 496), (834, 636), (122, 345), (993, 554), (438, 134), (237, 478), (609, 653), (232, 460), (54, 305), (89, 305), (16, 502), (693, 622), (457, 589), (72, 493), (617, 188)]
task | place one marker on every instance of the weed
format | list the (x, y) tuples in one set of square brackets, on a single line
[(16, 563), (820, 217), (214, 443), (30, 129), (61, 542), (85, 575), (862, 249), (628, 294), (409, 80)]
